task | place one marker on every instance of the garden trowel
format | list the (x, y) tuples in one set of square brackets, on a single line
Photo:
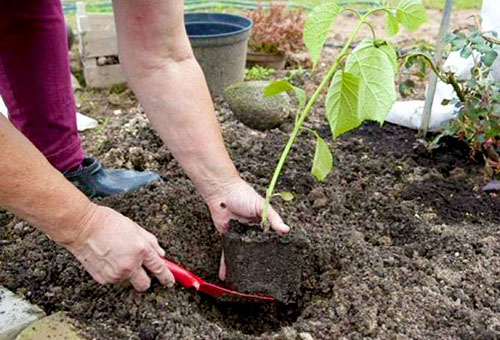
[(189, 280)]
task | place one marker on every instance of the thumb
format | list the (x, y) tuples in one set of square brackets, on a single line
[(277, 223)]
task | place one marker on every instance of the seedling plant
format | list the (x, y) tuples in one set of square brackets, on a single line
[(257, 72), (360, 82), (478, 98)]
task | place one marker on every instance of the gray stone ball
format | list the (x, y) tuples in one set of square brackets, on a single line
[(247, 101)]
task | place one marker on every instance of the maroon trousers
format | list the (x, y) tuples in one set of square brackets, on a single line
[(35, 78)]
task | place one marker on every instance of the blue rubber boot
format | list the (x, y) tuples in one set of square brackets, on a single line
[(94, 181)]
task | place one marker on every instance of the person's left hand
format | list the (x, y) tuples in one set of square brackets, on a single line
[(239, 201)]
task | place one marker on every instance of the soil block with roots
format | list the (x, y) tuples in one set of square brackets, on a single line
[(264, 263)]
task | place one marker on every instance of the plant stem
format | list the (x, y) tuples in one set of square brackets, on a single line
[(449, 78), (302, 117), (491, 40), (374, 35), (454, 83), (429, 61)]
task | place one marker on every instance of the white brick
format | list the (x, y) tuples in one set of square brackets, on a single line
[(15, 314)]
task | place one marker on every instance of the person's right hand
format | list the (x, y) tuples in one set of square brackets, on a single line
[(112, 248)]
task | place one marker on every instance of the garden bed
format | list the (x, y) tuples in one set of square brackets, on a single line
[(403, 243)]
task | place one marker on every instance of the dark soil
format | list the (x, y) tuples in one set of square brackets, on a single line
[(404, 244), (264, 263)]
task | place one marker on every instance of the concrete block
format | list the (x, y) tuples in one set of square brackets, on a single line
[(57, 326), (15, 314)]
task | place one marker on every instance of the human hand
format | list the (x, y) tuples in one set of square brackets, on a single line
[(112, 248), (239, 201)]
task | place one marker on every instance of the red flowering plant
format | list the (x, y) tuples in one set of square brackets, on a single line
[(277, 29)]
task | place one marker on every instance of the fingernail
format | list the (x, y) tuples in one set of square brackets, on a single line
[(162, 252)]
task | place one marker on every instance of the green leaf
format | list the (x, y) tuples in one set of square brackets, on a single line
[(276, 87), (286, 196), (301, 96), (280, 86), (342, 103), (323, 161), (374, 68), (365, 90), (458, 44), (466, 52), (407, 88), (387, 49), (489, 58), (482, 48), (391, 24), (449, 37), (317, 26), (411, 14)]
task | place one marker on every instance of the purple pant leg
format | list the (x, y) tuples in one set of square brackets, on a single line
[(35, 78)]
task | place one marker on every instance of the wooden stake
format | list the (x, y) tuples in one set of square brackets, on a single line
[(438, 58)]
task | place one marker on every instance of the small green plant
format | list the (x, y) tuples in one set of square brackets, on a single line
[(257, 72), (413, 66), (478, 99), (361, 82), (295, 74)]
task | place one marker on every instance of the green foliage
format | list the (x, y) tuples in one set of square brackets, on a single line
[(317, 26), (478, 122), (296, 74), (283, 85), (285, 196), (414, 61), (322, 161), (473, 41), (411, 14), (407, 88), (259, 73), (361, 83), (342, 103), (364, 89), (374, 67), (391, 24), (277, 87)]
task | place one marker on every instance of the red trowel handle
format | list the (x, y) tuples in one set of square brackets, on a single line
[(183, 276), (189, 280)]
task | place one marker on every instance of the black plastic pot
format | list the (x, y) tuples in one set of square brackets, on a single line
[(219, 42)]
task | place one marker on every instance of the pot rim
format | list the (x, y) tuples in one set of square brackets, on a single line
[(244, 23), (280, 54)]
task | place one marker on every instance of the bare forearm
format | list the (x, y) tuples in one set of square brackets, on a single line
[(169, 83), (32, 189), (178, 104)]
